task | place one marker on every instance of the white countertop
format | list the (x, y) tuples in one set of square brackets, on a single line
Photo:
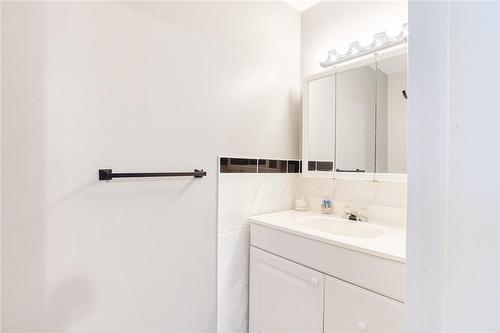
[(391, 244)]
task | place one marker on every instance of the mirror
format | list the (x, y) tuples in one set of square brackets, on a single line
[(321, 123), (355, 113), (392, 115), (355, 120)]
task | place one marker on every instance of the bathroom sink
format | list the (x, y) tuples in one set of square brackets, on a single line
[(341, 227), (374, 238)]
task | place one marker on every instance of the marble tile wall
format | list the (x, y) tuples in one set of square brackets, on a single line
[(241, 195)]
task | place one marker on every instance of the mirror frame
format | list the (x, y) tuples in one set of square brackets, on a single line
[(355, 63)]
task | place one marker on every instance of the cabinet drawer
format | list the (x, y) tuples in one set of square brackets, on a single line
[(349, 308), (284, 296)]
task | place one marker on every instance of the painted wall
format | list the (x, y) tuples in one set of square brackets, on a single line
[(335, 24), (453, 252), (133, 86)]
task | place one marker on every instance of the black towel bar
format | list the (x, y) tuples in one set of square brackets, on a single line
[(107, 174)]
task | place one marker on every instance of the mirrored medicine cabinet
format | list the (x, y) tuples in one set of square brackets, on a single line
[(355, 119)]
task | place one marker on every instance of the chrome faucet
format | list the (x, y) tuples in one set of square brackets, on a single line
[(355, 215)]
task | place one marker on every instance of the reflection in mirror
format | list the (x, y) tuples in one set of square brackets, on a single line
[(321, 123), (391, 115), (355, 118)]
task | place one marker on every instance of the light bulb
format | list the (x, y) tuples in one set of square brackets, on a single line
[(405, 30), (380, 38), (394, 31), (343, 50), (355, 47), (366, 41), (323, 56)]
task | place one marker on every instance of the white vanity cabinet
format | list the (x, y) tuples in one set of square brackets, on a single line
[(284, 296), (288, 297), (349, 308), (306, 282)]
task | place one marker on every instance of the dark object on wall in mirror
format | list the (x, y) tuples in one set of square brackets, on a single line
[(404, 94), (107, 174)]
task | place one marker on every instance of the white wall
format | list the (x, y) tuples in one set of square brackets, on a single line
[(453, 254), (135, 87), (335, 24)]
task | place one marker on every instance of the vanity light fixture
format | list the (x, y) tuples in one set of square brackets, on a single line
[(380, 41)]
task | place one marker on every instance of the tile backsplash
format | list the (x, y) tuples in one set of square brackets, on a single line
[(390, 194), (384, 201)]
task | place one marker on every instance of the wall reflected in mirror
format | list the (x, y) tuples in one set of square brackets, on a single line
[(392, 115), (321, 123), (355, 117)]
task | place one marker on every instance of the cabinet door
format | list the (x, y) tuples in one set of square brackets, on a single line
[(284, 296), (349, 308)]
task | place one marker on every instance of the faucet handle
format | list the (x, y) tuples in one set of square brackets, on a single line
[(362, 214), (350, 214), (348, 210)]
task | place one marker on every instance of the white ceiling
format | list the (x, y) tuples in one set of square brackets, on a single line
[(301, 5)]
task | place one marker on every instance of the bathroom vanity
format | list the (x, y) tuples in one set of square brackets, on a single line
[(321, 273), (315, 273)]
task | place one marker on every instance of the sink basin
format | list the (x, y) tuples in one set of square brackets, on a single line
[(341, 227)]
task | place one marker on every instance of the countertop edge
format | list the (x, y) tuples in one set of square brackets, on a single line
[(374, 253)]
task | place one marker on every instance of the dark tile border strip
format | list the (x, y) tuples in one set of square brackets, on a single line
[(294, 167), (238, 165), (272, 166), (253, 165), (320, 166), (324, 166)]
